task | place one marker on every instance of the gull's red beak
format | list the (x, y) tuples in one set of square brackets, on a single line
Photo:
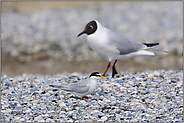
[(81, 33)]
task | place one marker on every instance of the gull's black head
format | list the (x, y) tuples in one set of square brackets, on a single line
[(90, 28)]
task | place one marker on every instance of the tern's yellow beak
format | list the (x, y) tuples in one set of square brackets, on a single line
[(103, 77)]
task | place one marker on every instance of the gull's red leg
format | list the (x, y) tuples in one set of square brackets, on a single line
[(107, 68)]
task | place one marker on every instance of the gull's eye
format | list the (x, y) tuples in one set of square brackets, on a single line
[(90, 27)]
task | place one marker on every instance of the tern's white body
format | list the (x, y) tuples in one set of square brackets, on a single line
[(83, 87)]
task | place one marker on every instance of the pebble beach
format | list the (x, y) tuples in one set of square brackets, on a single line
[(149, 96)]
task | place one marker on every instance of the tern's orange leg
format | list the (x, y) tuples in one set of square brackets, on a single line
[(83, 98)]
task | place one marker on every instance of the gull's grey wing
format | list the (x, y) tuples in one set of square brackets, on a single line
[(80, 87), (123, 44)]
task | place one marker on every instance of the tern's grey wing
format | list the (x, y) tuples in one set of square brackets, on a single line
[(80, 87), (61, 87), (123, 44)]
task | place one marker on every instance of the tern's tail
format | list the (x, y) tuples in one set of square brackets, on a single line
[(61, 87)]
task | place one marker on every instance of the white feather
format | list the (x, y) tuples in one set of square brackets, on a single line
[(143, 52)]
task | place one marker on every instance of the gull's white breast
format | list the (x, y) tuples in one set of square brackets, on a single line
[(99, 42)]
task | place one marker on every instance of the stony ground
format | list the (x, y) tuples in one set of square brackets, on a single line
[(149, 96)]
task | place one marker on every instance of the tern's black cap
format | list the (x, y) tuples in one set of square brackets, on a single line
[(95, 74)]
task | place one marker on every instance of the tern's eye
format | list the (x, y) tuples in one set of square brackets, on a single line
[(90, 27), (98, 75)]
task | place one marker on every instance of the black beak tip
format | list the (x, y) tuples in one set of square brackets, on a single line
[(80, 34)]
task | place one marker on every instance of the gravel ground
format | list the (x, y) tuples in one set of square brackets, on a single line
[(53, 33), (154, 96)]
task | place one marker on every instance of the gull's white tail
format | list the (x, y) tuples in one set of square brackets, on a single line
[(143, 52)]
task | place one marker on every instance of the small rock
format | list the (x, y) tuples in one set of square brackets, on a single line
[(104, 118)]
